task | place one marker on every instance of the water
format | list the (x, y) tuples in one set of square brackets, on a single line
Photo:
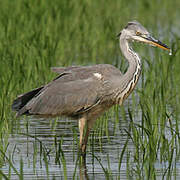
[(170, 52), (101, 155), (23, 147)]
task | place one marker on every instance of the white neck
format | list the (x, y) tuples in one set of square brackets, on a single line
[(131, 76)]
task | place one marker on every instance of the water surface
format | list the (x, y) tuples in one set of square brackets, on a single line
[(103, 152)]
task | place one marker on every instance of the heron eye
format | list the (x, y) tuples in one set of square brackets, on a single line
[(138, 33)]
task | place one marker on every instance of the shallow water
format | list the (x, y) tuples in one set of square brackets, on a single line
[(100, 156)]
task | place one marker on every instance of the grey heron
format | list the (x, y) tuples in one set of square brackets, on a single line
[(85, 92)]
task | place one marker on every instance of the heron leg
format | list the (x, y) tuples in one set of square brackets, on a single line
[(85, 126), (84, 132)]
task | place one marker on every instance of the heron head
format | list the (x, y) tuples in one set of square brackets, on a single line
[(134, 31)]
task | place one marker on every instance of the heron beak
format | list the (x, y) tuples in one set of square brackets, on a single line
[(157, 43)]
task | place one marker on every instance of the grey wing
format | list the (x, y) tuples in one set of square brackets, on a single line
[(61, 70), (69, 98), (76, 90)]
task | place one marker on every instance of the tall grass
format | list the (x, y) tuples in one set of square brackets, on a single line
[(36, 35)]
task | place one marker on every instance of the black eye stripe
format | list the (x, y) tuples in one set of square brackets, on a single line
[(118, 35), (131, 23)]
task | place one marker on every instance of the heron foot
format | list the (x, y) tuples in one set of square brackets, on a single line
[(82, 151)]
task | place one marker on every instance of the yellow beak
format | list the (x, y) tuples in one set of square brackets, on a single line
[(157, 43)]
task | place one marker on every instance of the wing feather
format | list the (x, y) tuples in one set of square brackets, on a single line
[(76, 90), (61, 70), (68, 98)]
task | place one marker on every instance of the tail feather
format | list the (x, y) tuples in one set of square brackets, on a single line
[(23, 99)]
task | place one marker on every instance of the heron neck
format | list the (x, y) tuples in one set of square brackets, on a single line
[(131, 76)]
